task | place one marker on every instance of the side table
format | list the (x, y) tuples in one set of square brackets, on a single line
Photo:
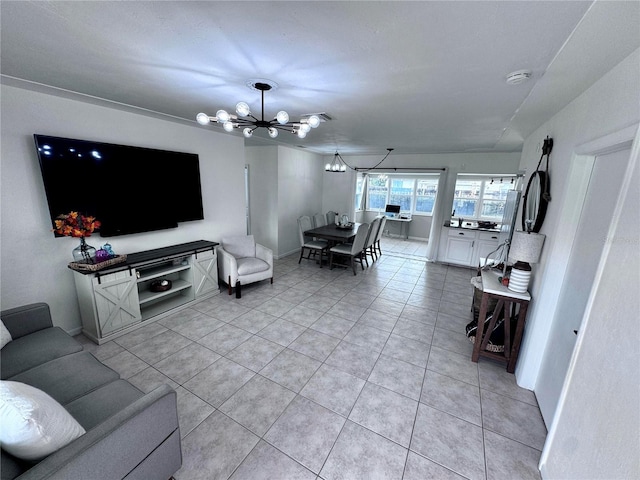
[(492, 288)]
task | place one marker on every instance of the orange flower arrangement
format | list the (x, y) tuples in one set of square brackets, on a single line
[(75, 225)]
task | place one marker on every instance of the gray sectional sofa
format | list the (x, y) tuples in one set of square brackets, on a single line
[(129, 434)]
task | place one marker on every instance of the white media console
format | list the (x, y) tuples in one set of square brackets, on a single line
[(119, 299)]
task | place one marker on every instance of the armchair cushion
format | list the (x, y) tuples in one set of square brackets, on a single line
[(241, 246), (248, 266)]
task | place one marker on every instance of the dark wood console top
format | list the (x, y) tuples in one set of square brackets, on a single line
[(157, 254)]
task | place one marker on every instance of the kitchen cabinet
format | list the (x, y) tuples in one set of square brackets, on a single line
[(464, 246)]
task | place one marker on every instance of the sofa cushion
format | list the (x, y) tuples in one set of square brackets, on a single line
[(69, 377), (95, 407), (5, 335), (241, 246), (247, 266), (35, 349), (34, 425)]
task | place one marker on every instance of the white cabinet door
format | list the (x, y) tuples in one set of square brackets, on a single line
[(116, 297), (205, 272), (459, 250), (484, 247)]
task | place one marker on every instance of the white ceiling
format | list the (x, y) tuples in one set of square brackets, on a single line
[(421, 77)]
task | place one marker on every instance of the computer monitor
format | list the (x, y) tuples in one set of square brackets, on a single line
[(392, 209)]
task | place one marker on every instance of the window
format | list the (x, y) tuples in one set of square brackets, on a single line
[(481, 197), (377, 193), (416, 194)]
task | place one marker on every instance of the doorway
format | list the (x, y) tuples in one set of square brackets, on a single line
[(606, 175)]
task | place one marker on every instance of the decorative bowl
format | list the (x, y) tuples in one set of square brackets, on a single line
[(160, 285)]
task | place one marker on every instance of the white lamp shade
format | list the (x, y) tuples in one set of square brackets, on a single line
[(243, 109), (273, 132), (526, 247), (228, 126), (282, 117), (247, 132), (314, 121), (222, 116), (203, 119)]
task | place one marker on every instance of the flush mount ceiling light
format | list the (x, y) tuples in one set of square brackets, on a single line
[(518, 77), (245, 120)]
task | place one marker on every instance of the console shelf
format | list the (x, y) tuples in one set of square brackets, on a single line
[(117, 300)]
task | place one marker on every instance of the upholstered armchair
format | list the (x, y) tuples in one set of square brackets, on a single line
[(242, 261)]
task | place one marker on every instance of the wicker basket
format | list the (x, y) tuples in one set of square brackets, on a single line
[(94, 267)]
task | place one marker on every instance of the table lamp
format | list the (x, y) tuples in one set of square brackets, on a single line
[(525, 249)]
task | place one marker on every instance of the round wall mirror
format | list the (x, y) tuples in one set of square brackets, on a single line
[(535, 202)]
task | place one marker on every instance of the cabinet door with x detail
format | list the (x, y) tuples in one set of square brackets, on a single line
[(116, 297)]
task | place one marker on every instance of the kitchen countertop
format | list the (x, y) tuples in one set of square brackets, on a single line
[(471, 226)]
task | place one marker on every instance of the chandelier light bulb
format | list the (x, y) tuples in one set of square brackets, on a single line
[(313, 121), (302, 133), (203, 119), (243, 109), (228, 126), (327, 167), (223, 116), (282, 117), (273, 132), (335, 167), (247, 132), (305, 128), (343, 168)]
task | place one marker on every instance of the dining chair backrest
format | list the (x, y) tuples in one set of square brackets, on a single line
[(304, 224), (373, 232), (331, 217), (319, 220), (360, 239), (383, 220)]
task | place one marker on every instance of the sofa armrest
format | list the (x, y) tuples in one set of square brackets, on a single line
[(116, 447), (21, 321), (227, 266), (264, 253)]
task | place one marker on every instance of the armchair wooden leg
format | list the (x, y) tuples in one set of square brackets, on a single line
[(271, 280), (229, 283), (238, 289)]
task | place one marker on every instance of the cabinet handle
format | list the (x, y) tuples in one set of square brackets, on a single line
[(495, 238), (473, 243), (460, 233)]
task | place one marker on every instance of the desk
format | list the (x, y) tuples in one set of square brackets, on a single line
[(491, 287), (404, 225), (333, 233)]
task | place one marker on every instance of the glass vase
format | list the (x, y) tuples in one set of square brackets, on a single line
[(84, 252)]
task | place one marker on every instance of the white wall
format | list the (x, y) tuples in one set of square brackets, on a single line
[(263, 194), (609, 105), (299, 193), (34, 262)]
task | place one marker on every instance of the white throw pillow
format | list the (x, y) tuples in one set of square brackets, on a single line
[(5, 336), (34, 425)]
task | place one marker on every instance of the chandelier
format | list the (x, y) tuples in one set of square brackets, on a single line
[(338, 165), (249, 123)]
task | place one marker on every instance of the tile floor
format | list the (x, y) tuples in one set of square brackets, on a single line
[(327, 375)]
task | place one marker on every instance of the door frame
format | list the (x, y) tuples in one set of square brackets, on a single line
[(583, 161)]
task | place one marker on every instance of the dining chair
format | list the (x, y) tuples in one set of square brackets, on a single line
[(314, 246), (369, 245), (376, 246), (319, 220), (331, 217), (352, 250)]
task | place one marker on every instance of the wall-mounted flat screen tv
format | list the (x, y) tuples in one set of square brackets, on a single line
[(129, 189)]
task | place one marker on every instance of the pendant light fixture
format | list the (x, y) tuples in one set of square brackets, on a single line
[(338, 165), (249, 123)]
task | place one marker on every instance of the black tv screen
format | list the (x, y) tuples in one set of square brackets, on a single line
[(129, 189)]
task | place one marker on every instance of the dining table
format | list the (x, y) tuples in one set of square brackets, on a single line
[(334, 233)]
